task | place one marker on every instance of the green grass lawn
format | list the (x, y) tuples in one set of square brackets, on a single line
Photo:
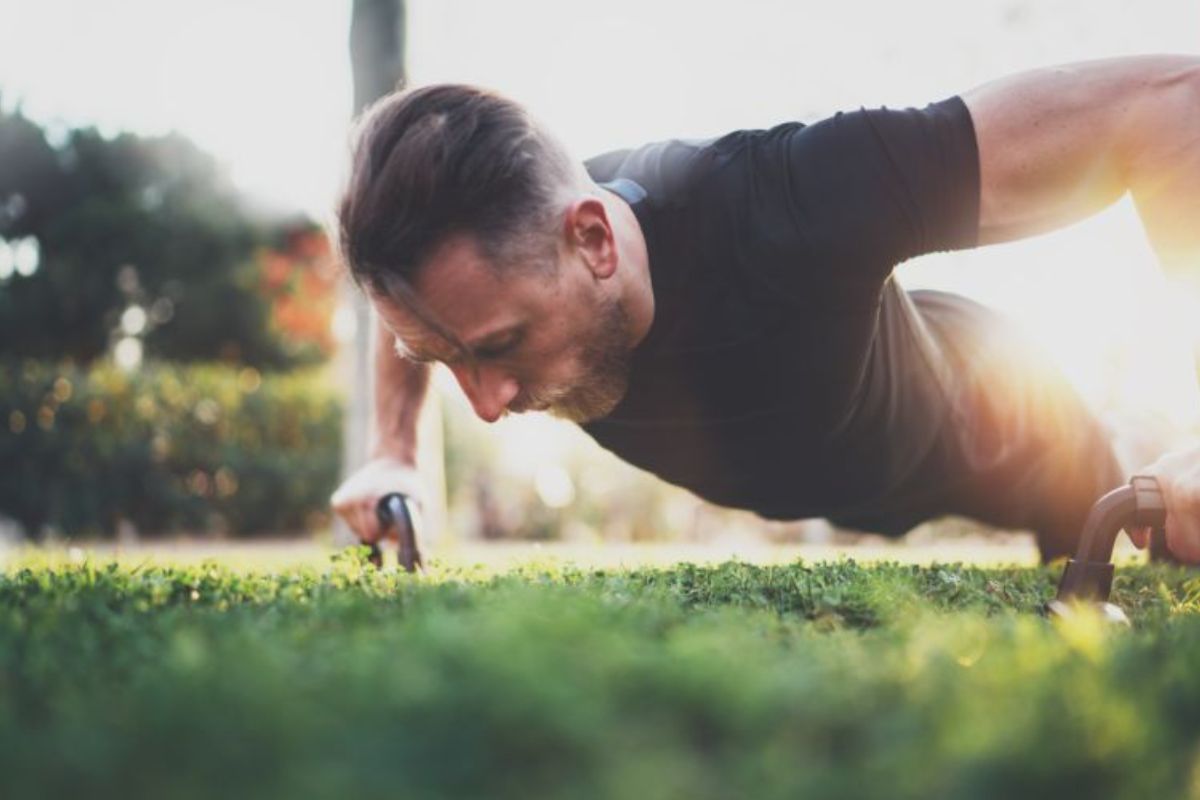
[(731, 681)]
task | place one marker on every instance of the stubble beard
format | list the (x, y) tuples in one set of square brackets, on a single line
[(606, 357)]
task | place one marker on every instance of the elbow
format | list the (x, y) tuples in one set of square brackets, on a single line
[(1162, 135), (1178, 90)]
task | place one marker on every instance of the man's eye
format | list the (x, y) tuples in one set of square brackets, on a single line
[(493, 352), (506, 347)]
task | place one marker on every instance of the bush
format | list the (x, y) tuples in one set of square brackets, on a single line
[(167, 448)]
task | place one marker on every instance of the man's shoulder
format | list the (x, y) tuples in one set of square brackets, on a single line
[(673, 169), (667, 168)]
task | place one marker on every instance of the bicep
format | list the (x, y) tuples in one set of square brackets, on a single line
[(1054, 143)]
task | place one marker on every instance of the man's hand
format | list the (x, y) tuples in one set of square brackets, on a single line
[(400, 389), (356, 499), (1178, 475)]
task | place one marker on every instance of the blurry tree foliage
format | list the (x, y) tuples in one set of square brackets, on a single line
[(128, 221)]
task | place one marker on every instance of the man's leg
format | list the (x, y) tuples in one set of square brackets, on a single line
[(1033, 455), (1065, 485)]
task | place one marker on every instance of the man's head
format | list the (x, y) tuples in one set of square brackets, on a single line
[(484, 245)]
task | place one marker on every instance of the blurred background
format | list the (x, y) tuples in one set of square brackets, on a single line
[(180, 355)]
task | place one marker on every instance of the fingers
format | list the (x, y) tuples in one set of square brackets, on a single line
[(368, 528), (1139, 536), (1183, 537), (357, 511), (1178, 475), (356, 500)]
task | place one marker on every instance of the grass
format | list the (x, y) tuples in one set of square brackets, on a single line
[(825, 680)]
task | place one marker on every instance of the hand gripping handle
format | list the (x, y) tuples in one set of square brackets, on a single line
[(1089, 574)]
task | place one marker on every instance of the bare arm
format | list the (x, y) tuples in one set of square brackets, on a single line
[(1059, 144), (400, 389)]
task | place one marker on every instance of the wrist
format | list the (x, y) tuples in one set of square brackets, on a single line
[(402, 451)]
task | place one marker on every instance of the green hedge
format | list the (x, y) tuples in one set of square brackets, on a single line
[(167, 448)]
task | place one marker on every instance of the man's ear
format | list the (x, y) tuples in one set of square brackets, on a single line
[(589, 231)]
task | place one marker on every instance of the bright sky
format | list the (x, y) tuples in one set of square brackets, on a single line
[(265, 85), (262, 84)]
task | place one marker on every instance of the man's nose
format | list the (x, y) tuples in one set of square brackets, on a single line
[(489, 390)]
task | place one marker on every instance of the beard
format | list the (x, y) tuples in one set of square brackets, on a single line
[(605, 357)]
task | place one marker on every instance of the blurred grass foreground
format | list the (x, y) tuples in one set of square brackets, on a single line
[(829, 680)]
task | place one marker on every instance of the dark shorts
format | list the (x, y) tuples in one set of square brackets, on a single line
[(1021, 449)]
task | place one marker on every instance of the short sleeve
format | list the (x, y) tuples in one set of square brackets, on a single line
[(841, 202)]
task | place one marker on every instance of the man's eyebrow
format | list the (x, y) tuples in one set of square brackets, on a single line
[(419, 354), (405, 350)]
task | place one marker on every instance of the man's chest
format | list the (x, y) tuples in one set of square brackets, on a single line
[(739, 395)]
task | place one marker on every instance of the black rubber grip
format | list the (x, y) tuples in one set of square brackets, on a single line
[(1150, 509), (393, 511), (1089, 574)]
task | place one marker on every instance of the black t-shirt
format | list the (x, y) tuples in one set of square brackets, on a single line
[(785, 371)]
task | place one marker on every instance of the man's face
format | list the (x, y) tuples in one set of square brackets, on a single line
[(556, 342)]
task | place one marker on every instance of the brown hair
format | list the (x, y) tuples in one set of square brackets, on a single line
[(441, 160)]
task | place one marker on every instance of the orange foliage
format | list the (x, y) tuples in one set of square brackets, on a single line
[(301, 283)]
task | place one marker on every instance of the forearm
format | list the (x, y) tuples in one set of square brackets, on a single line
[(1162, 168), (400, 389)]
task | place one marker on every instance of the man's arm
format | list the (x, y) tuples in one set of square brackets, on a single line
[(1059, 144), (400, 389), (401, 386)]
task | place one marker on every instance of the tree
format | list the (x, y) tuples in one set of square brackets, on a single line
[(125, 222), (377, 62)]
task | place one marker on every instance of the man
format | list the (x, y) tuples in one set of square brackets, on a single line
[(723, 313)]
